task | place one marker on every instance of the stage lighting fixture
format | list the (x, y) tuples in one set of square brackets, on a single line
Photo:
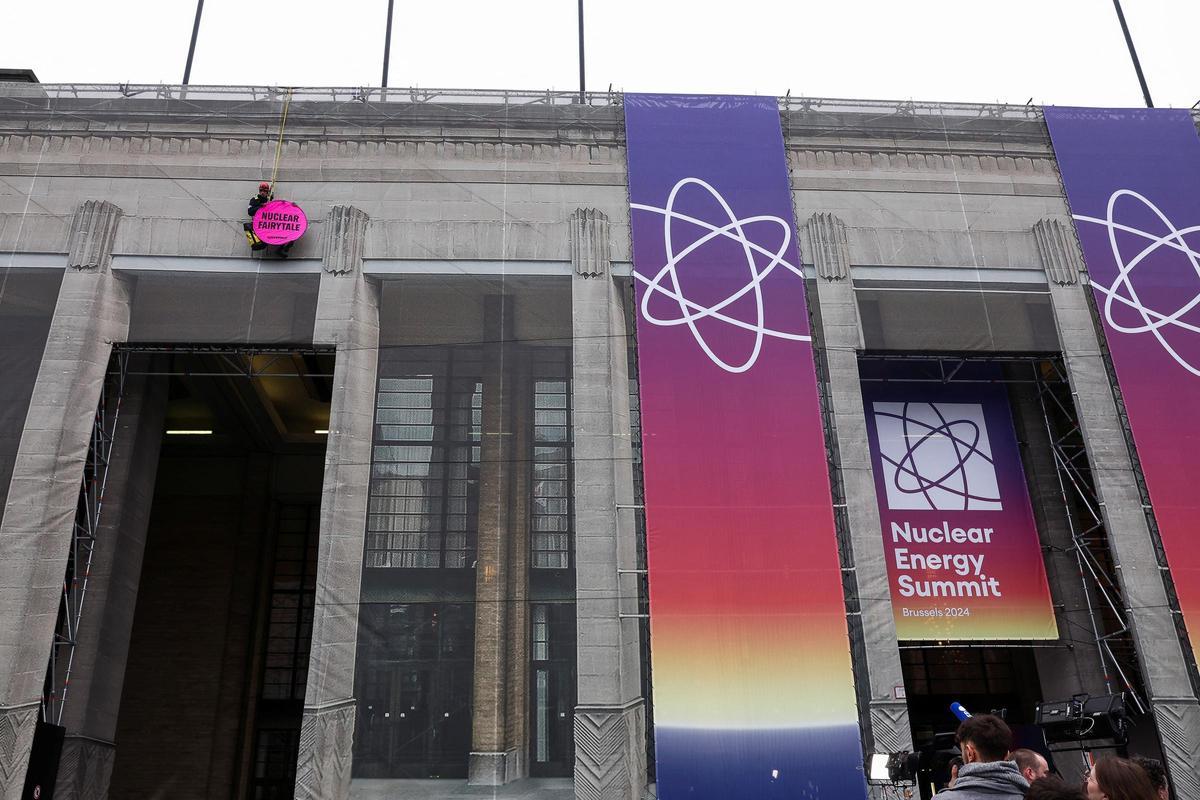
[(893, 768)]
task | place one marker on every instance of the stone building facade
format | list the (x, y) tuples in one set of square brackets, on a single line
[(468, 596)]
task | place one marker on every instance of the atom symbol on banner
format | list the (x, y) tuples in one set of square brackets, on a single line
[(942, 459), (1124, 292), (691, 312)]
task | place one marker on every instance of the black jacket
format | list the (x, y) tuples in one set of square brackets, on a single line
[(257, 202)]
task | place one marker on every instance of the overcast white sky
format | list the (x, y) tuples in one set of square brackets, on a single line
[(1055, 51)]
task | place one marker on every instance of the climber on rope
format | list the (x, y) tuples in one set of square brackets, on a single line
[(263, 197), (278, 222)]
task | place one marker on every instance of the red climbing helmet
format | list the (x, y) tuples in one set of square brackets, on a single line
[(264, 186)]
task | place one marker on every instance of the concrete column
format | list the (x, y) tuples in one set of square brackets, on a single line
[(889, 725), (94, 695), (1160, 654), (347, 319), (610, 718), (92, 312), (490, 757)]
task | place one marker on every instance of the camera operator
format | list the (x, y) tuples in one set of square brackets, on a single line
[(986, 774)]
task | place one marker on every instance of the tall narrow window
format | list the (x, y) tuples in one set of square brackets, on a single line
[(551, 515), (425, 463)]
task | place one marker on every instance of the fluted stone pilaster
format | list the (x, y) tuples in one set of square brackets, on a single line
[(93, 231), (1059, 251), (342, 239), (590, 249), (827, 246)]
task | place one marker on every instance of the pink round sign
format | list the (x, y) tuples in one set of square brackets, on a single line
[(280, 222)]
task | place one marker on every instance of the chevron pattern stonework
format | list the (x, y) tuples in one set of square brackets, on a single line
[(85, 770), (16, 737), (1175, 722), (326, 739), (605, 743), (890, 726)]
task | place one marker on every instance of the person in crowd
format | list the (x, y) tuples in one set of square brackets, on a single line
[(1052, 787), (1031, 764), (986, 773), (1116, 778), (1157, 774)]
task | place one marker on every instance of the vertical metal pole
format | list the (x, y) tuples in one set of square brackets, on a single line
[(187, 68), (582, 76), (387, 43), (1137, 65)]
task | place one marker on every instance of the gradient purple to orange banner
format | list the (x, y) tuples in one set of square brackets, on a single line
[(963, 555), (1132, 178), (753, 685)]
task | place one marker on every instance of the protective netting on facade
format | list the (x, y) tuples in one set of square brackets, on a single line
[(471, 656)]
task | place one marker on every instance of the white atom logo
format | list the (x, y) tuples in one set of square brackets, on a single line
[(936, 456), (1123, 292), (691, 312)]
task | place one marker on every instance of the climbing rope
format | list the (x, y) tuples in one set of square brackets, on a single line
[(287, 101)]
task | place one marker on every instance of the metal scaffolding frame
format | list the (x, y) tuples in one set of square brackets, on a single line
[(84, 536), (1089, 535), (1106, 604), (225, 361)]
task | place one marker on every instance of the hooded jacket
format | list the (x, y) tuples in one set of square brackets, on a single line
[(994, 780)]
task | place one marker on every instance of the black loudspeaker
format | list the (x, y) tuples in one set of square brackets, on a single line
[(43, 762), (1106, 716), (1083, 717)]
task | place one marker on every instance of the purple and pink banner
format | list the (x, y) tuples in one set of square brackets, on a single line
[(1133, 182), (753, 686), (963, 556)]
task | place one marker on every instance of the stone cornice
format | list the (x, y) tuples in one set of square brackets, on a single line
[(79, 153)]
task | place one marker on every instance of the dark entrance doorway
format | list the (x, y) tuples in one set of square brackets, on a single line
[(552, 690), (415, 670), (218, 655)]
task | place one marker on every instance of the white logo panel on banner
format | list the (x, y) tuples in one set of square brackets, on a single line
[(668, 283), (1124, 293), (936, 457)]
